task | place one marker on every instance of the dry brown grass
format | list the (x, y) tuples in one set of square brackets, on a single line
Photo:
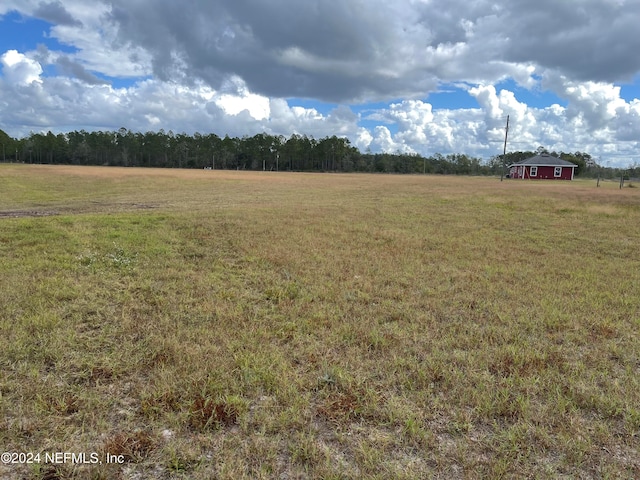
[(277, 325)]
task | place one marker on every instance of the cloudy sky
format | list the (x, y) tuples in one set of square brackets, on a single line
[(420, 76)]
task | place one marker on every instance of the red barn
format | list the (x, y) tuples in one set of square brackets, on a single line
[(543, 166)]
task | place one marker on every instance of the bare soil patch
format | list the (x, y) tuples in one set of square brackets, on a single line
[(92, 207), (26, 213)]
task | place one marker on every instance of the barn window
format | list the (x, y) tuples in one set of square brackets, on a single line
[(534, 171), (557, 172)]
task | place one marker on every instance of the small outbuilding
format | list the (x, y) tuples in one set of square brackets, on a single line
[(543, 166)]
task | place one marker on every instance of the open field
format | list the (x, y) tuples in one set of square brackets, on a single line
[(216, 324)]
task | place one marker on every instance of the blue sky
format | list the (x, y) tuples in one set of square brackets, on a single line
[(422, 77), (24, 33)]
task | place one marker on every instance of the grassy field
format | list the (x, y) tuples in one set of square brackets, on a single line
[(209, 324)]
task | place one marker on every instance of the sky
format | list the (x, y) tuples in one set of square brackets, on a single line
[(416, 76)]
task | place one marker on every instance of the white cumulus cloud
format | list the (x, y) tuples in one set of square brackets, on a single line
[(18, 69)]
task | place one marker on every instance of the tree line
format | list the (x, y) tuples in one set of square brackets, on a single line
[(259, 152)]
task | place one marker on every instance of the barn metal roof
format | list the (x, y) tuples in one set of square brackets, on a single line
[(544, 159)]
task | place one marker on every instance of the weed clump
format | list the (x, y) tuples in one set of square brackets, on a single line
[(206, 413), (132, 446)]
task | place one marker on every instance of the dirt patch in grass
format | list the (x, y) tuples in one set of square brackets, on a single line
[(93, 207), (25, 213)]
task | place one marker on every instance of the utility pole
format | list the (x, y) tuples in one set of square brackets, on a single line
[(504, 150)]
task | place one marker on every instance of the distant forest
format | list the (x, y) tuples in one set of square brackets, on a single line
[(298, 153)]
